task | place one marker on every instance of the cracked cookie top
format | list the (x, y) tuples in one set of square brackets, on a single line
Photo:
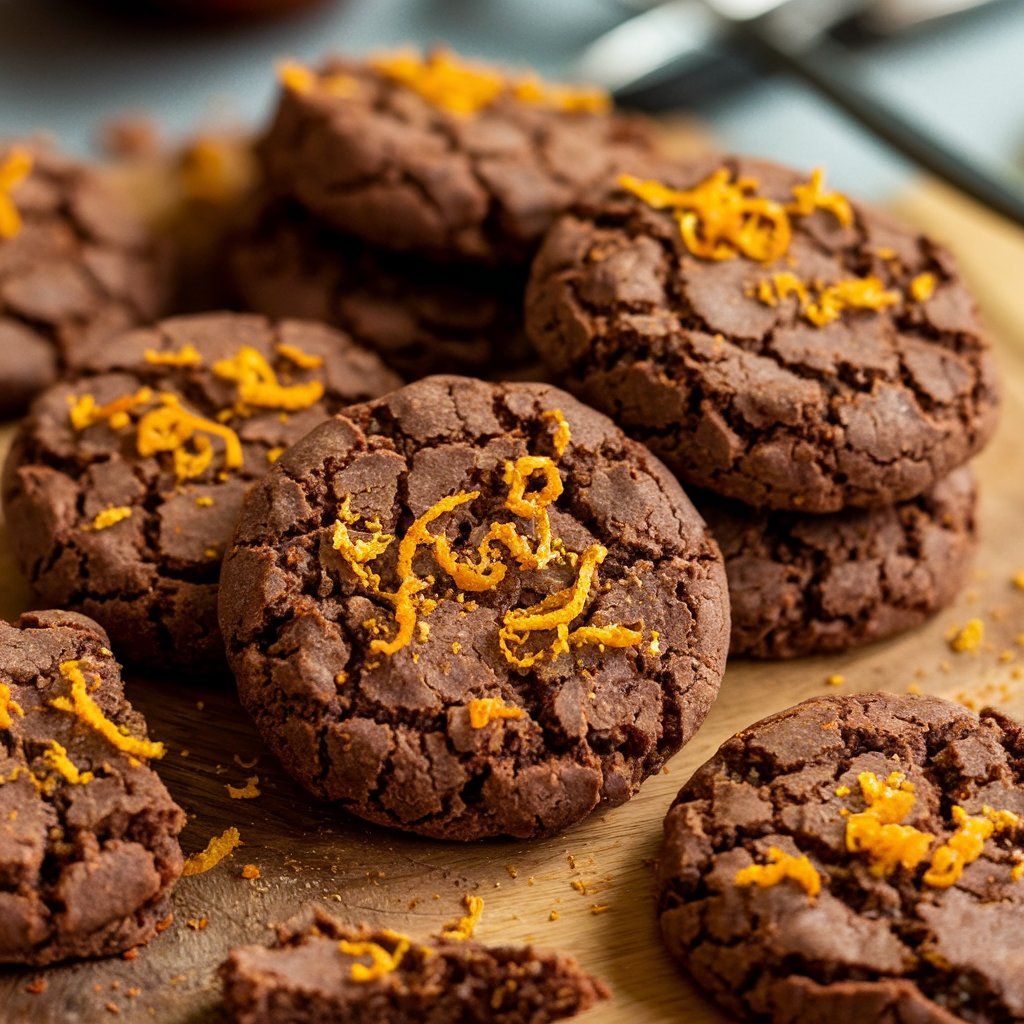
[(451, 159), (472, 609), (804, 584), (88, 834), (75, 264), (855, 858), (771, 340), (123, 483)]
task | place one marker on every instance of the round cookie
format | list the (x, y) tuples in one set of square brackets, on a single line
[(75, 265), (453, 160), (88, 834), (854, 858), (471, 609), (801, 584), (122, 486), (420, 318), (771, 341)]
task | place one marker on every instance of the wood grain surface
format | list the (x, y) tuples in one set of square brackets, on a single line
[(308, 853)]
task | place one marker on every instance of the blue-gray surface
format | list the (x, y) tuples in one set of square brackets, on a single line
[(65, 67)]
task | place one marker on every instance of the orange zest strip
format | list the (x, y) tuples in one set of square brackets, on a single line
[(187, 355), (484, 710), (878, 832), (304, 360), (463, 929), (84, 707), (822, 304), (13, 171), (84, 412), (258, 385), (300, 79), (216, 850), (781, 866), (966, 844), (109, 517), (922, 287), (382, 961), (812, 196), (169, 427), (562, 435), (7, 705), (56, 757)]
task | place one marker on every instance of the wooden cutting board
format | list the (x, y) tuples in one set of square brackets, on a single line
[(307, 853)]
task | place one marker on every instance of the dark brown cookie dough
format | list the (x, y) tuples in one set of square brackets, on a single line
[(801, 584), (123, 511), (88, 835), (741, 385), (435, 727), (377, 159), (74, 265), (419, 317), (307, 977), (781, 887)]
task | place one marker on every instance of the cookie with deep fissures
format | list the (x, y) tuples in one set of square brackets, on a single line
[(88, 834), (123, 483), (471, 609), (854, 858), (771, 340)]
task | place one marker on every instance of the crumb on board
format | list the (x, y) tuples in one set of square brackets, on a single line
[(250, 871), (836, 679), (968, 638), (216, 850), (249, 791)]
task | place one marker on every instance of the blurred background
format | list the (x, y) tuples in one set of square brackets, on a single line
[(66, 66)]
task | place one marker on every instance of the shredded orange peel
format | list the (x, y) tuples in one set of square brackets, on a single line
[(463, 928), (484, 710), (258, 384), (187, 355), (555, 612), (56, 757), (382, 961), (169, 427), (84, 412), (822, 304), (461, 87), (13, 171), (781, 866), (7, 705), (85, 708), (304, 360), (922, 287), (302, 80), (110, 516), (966, 844), (216, 850)]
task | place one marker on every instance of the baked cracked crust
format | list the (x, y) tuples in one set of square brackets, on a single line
[(78, 266), (385, 164), (897, 946), (150, 576), (88, 834), (383, 723), (304, 978), (801, 584), (418, 317), (745, 395)]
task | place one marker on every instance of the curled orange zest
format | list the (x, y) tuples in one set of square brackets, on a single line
[(7, 705), (382, 961), (830, 301), (484, 710), (169, 427), (966, 844), (877, 830), (84, 412), (780, 866), (304, 360), (562, 435), (13, 171), (812, 196), (187, 355), (109, 517), (216, 850), (56, 757), (463, 929), (922, 287), (258, 384)]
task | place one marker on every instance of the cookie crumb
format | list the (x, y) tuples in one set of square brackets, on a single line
[(969, 637), (249, 791), (836, 679)]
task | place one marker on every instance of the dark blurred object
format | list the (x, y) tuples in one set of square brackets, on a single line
[(210, 10)]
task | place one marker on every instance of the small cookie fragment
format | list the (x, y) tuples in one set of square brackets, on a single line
[(326, 970), (75, 265), (762, 335), (486, 567), (88, 834), (803, 584), (854, 858), (443, 157), (123, 484), (418, 317)]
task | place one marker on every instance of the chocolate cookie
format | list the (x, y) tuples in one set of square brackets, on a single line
[(453, 160), (772, 341), (74, 265), (88, 835), (123, 485), (327, 970), (801, 584), (420, 318), (854, 858), (472, 609)]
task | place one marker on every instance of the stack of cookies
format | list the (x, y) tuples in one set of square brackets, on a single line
[(403, 197), (816, 369)]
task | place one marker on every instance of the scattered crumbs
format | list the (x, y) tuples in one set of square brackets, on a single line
[(1018, 580), (456, 647), (1006, 656), (836, 679), (571, 860), (531, 880), (250, 871), (185, 752), (580, 886), (133, 992), (513, 871), (210, 552), (664, 769), (273, 454), (945, 667), (204, 501), (112, 1008), (197, 924), (599, 908), (245, 763), (249, 791), (968, 638), (553, 916), (37, 986), (200, 705), (132, 954), (916, 689), (842, 790)]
